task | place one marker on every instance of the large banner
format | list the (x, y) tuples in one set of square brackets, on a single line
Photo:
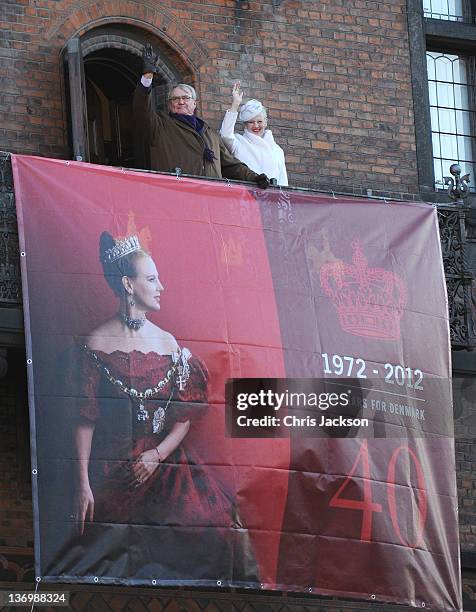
[(146, 297)]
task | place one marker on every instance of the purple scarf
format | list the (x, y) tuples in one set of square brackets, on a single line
[(192, 120), (197, 124)]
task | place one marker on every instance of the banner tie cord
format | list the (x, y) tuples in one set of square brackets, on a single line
[(38, 580)]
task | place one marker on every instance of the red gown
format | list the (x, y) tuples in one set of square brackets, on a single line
[(180, 526)]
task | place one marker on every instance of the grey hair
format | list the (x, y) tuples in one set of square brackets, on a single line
[(188, 88)]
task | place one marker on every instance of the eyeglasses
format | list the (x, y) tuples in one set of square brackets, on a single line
[(178, 98)]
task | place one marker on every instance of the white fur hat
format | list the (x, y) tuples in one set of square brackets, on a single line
[(250, 110)]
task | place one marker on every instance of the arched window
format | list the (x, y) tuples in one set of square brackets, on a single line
[(102, 69)]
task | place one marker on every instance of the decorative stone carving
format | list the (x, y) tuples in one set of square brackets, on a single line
[(10, 281), (459, 276)]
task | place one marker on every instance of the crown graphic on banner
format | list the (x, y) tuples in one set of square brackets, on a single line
[(369, 301)]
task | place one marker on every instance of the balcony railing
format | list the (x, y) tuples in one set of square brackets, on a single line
[(458, 249)]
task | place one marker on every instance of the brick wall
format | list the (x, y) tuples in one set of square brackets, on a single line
[(335, 76)]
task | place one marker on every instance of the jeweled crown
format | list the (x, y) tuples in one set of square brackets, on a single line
[(121, 248), (369, 301)]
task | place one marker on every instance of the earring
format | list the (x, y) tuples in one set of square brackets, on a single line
[(131, 301)]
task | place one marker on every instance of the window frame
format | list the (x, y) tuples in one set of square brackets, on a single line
[(462, 109), (437, 35), (467, 12)]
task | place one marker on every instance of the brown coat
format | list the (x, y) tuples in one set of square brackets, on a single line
[(170, 143)]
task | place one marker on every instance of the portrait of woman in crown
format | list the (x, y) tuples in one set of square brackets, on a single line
[(141, 393)]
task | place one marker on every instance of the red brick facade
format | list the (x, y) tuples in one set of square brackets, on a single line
[(335, 77)]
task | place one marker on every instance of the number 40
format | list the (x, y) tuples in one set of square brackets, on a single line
[(368, 507)]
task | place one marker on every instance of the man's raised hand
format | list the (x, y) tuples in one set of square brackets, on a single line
[(149, 60)]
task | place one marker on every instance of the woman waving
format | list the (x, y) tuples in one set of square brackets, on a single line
[(256, 146)]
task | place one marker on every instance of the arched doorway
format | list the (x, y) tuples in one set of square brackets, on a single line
[(110, 78), (103, 68)]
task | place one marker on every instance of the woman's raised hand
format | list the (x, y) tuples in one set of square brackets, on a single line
[(84, 507), (237, 95)]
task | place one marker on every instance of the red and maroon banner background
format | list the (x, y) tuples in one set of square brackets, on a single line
[(260, 285)]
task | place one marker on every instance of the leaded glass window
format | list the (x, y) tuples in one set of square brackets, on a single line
[(452, 10), (451, 89)]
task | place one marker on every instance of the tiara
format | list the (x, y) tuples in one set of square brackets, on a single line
[(121, 248)]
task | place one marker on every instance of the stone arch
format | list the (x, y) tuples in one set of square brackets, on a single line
[(172, 36), (113, 41)]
